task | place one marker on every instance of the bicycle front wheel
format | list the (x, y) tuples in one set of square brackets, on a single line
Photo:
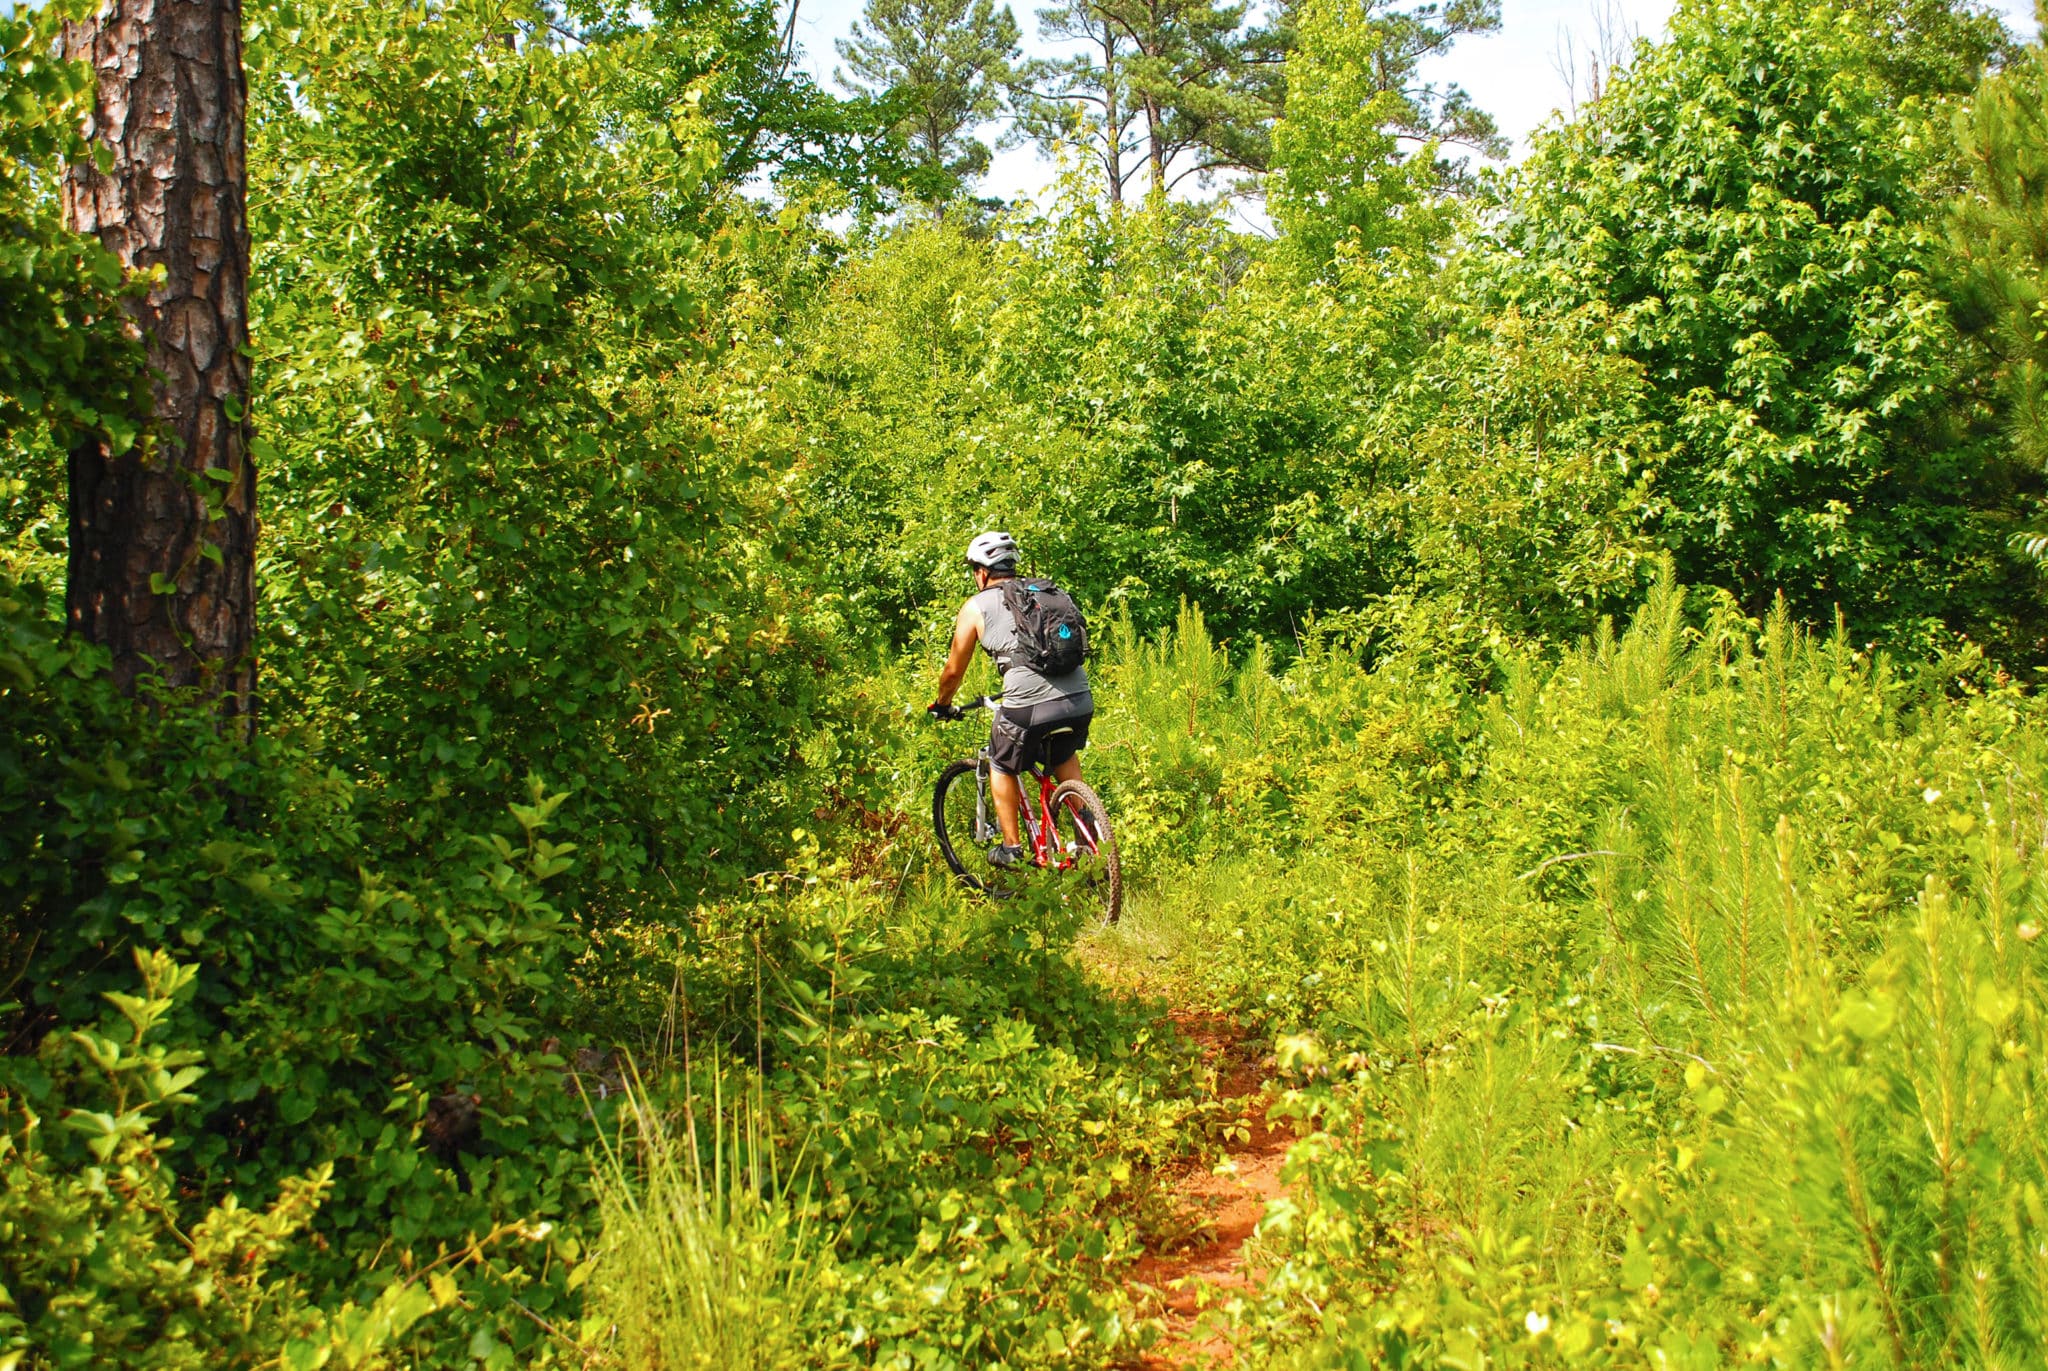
[(962, 815), (1084, 843)]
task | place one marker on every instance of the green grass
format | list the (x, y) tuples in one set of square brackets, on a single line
[(709, 1261)]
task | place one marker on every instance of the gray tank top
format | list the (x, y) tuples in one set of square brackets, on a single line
[(1022, 687)]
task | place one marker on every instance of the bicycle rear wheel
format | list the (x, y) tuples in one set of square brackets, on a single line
[(962, 815), (1083, 838)]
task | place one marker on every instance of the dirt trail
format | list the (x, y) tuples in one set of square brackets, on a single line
[(1208, 1266)]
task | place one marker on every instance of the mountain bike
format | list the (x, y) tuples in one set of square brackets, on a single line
[(1068, 831)]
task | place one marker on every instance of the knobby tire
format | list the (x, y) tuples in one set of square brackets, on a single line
[(947, 847), (1098, 839)]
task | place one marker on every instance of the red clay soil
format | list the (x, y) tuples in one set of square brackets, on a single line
[(1221, 1209)]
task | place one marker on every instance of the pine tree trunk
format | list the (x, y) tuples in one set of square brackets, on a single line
[(1112, 131), (163, 536), (1155, 134)]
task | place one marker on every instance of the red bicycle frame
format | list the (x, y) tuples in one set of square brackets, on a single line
[(1041, 824), (963, 831)]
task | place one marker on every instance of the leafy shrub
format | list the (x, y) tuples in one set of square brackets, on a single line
[(517, 522), (1755, 205), (99, 1267), (378, 1022)]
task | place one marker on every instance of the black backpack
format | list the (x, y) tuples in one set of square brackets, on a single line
[(1052, 637)]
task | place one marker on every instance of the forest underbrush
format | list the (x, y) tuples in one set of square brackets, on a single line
[(1672, 1001), (952, 1130)]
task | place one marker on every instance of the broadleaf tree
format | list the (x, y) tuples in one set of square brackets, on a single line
[(723, 75), (1367, 145), (1755, 203)]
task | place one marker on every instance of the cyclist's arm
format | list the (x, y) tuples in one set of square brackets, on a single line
[(966, 637)]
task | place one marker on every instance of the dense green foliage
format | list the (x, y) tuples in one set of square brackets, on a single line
[(1162, 415), (90, 1211), (461, 357), (489, 413), (1752, 204), (561, 973), (1356, 93), (342, 995), (1678, 1002)]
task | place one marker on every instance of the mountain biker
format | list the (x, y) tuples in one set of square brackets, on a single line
[(1038, 717)]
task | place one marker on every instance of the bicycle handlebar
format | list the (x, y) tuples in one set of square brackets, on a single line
[(959, 711)]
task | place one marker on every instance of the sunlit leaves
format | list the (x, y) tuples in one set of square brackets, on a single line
[(508, 531), (1754, 203)]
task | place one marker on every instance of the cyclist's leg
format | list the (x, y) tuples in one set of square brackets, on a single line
[(1008, 796), (1063, 746), (1010, 747)]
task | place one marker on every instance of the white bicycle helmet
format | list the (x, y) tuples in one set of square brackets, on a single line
[(992, 550)]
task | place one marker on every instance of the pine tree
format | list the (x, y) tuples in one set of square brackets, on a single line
[(945, 65), (1088, 99), (2000, 237), (163, 535), (1164, 88), (1185, 69)]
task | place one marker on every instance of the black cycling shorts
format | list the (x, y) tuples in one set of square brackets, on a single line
[(1043, 734)]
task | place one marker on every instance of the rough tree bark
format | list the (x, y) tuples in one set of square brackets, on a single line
[(163, 536)]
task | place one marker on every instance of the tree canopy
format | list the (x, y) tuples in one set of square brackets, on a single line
[(950, 65)]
